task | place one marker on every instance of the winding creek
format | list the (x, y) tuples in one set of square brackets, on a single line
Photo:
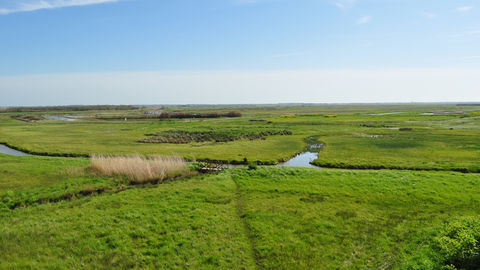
[(301, 160)]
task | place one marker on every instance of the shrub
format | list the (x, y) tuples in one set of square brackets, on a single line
[(140, 169), (459, 243), (27, 117), (252, 166)]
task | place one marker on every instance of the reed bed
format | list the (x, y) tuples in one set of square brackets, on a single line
[(140, 169), (186, 136)]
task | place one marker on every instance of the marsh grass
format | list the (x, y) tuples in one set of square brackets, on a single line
[(139, 169), (186, 136)]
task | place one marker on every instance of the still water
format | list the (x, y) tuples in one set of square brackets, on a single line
[(9, 151), (302, 160)]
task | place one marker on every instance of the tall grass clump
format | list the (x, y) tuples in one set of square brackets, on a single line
[(140, 169)]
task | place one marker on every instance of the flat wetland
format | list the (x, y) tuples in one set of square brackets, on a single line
[(395, 179)]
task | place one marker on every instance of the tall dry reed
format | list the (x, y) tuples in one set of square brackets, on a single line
[(139, 169)]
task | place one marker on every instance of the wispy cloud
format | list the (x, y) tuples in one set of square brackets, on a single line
[(464, 9), (344, 4), (32, 5), (429, 15), (364, 20)]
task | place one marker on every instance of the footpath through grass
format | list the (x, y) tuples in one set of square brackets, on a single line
[(268, 218), (314, 219), (189, 224)]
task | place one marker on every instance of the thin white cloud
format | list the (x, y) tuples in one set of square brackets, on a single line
[(464, 9), (344, 4), (340, 5), (430, 15), (32, 5), (364, 20)]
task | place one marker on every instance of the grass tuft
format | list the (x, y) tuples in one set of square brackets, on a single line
[(139, 169)]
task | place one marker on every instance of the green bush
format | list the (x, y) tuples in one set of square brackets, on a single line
[(459, 243)]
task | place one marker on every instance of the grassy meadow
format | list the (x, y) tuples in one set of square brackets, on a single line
[(268, 218), (399, 188)]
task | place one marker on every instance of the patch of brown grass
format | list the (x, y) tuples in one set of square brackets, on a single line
[(140, 169)]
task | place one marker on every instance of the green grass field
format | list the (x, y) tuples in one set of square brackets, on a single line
[(269, 218), (420, 211)]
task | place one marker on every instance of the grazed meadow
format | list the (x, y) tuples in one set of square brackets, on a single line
[(59, 212)]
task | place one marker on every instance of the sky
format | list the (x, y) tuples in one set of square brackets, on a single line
[(59, 52)]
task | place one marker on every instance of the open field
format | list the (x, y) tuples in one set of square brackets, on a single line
[(70, 212), (269, 218), (434, 137)]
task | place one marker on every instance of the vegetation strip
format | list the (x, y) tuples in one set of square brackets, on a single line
[(174, 115), (185, 136), (28, 118), (67, 108)]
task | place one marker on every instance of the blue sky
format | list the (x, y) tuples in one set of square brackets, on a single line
[(48, 40)]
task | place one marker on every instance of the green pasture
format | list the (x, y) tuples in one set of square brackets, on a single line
[(268, 218)]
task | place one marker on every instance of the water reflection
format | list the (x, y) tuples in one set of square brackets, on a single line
[(302, 160)]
